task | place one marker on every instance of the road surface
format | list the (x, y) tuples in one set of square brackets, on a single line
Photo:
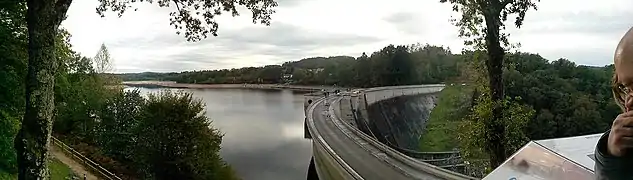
[(364, 163)]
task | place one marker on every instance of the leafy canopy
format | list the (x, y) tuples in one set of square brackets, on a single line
[(472, 24), (197, 16)]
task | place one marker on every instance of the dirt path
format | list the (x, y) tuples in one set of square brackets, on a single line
[(79, 169)]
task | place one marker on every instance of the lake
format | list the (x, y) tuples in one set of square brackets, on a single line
[(263, 131)]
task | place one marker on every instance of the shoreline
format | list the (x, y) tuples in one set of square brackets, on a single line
[(170, 84)]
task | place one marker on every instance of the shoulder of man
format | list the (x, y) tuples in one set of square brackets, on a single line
[(608, 167)]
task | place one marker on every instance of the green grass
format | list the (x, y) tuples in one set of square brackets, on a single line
[(441, 128), (7, 176), (58, 171)]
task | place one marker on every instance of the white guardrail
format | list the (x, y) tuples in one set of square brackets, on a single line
[(376, 94)]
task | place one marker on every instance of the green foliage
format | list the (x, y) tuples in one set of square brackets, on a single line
[(452, 106), (9, 126), (13, 69), (391, 65), (485, 18), (60, 171), (78, 98), (13, 56), (164, 137), (197, 16), (118, 118), (475, 131), (569, 100), (176, 140), (47, 53), (481, 24), (319, 62), (113, 127), (7, 176)]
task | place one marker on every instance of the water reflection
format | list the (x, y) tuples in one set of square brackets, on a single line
[(263, 131)]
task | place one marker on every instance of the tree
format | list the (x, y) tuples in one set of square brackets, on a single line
[(13, 57), (176, 140), (102, 61), (43, 18), (482, 21), (119, 117)]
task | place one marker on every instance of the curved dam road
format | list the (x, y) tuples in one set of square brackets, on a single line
[(368, 162), (365, 164)]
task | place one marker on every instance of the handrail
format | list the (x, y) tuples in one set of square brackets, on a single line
[(91, 165)]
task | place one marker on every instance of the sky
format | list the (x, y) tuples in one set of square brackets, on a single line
[(585, 32)]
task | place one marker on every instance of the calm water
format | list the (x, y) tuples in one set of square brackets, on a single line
[(263, 131)]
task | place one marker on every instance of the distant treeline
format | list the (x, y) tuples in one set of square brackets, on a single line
[(391, 65), (568, 99)]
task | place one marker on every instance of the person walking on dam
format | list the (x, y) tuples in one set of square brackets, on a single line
[(614, 150)]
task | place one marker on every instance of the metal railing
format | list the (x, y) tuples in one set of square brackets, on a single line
[(89, 164)]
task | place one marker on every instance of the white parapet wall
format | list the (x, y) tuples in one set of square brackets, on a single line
[(381, 93)]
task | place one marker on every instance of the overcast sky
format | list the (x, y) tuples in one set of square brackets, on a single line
[(585, 32)]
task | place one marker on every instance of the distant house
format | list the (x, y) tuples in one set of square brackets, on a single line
[(286, 78), (316, 70)]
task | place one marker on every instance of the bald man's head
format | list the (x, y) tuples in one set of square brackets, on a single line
[(624, 51), (623, 76)]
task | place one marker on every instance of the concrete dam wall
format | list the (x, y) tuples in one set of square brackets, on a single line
[(400, 121)]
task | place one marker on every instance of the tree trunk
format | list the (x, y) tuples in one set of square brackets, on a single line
[(31, 143), (494, 66)]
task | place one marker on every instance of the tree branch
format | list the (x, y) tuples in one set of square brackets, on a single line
[(177, 6), (504, 3)]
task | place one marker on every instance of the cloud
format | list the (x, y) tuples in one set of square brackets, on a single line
[(407, 22), (143, 41), (289, 3), (283, 42)]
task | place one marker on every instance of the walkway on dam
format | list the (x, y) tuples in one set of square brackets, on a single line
[(368, 161)]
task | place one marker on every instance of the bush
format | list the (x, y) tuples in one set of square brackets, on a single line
[(118, 118), (176, 140), (8, 128)]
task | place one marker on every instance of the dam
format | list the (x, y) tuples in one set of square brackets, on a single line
[(374, 134)]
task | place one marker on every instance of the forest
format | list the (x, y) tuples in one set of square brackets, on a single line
[(556, 99), (567, 99), (46, 88), (120, 130), (391, 65)]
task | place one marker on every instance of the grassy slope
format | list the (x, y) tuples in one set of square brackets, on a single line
[(58, 171), (7, 176), (440, 134)]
